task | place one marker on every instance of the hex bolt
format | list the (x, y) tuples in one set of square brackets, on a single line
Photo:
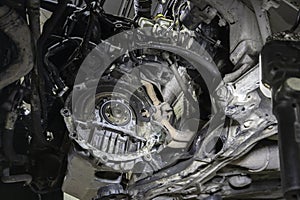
[(247, 124)]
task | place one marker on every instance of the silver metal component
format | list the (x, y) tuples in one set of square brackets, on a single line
[(205, 13), (112, 140), (64, 90), (262, 19), (140, 132), (242, 104), (245, 38), (49, 136), (239, 181), (89, 182), (116, 112), (209, 14), (294, 84), (267, 4), (259, 159), (244, 99), (162, 1)]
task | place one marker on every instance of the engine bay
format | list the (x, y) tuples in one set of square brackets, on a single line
[(152, 100)]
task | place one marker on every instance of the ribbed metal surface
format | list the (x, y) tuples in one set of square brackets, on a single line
[(114, 143)]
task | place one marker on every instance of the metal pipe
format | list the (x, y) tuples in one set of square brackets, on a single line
[(7, 178), (17, 178), (262, 20), (129, 8), (122, 7), (264, 158), (180, 81)]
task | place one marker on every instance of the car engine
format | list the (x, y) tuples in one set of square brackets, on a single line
[(149, 99)]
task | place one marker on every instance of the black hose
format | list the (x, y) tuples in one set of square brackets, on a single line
[(9, 151), (87, 36), (38, 96), (143, 8), (53, 21), (49, 5), (7, 134), (33, 9), (8, 140)]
